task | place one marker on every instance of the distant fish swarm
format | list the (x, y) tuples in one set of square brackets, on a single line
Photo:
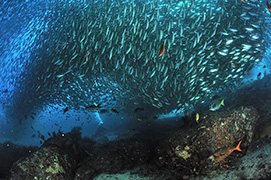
[(99, 51)]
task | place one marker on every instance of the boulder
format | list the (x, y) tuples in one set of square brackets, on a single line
[(57, 159), (191, 152)]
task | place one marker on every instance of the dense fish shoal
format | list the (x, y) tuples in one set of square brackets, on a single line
[(159, 55)]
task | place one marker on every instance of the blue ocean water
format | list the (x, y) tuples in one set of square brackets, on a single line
[(47, 82), (114, 69)]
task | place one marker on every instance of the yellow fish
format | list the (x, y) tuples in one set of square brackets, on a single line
[(197, 117)]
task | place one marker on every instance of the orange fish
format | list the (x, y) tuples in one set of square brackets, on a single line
[(221, 158), (162, 49), (244, 1), (233, 64), (227, 150), (268, 6)]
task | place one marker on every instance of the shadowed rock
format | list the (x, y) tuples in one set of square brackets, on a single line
[(56, 159), (192, 151)]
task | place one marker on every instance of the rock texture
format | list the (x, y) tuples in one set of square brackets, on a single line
[(116, 156), (191, 152), (57, 159)]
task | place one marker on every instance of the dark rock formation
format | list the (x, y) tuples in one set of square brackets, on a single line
[(10, 153), (188, 153), (191, 152), (69, 156), (57, 159), (115, 157)]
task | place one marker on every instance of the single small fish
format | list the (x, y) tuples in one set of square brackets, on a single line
[(233, 64), (42, 137), (142, 118), (162, 49), (124, 104), (32, 117), (66, 109), (186, 113), (138, 110), (259, 74), (114, 111), (178, 109), (94, 107), (244, 1), (227, 150), (268, 6), (86, 56), (197, 117), (103, 111), (216, 103)]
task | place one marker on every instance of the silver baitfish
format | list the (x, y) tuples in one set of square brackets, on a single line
[(109, 48)]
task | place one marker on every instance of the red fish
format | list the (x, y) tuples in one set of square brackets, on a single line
[(268, 6), (227, 150), (162, 49)]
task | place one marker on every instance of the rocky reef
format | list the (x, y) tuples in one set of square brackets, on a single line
[(115, 157), (10, 153), (206, 149), (57, 158), (192, 152)]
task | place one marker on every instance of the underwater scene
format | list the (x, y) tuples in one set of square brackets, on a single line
[(135, 89)]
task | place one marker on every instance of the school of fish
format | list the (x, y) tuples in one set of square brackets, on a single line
[(156, 54)]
